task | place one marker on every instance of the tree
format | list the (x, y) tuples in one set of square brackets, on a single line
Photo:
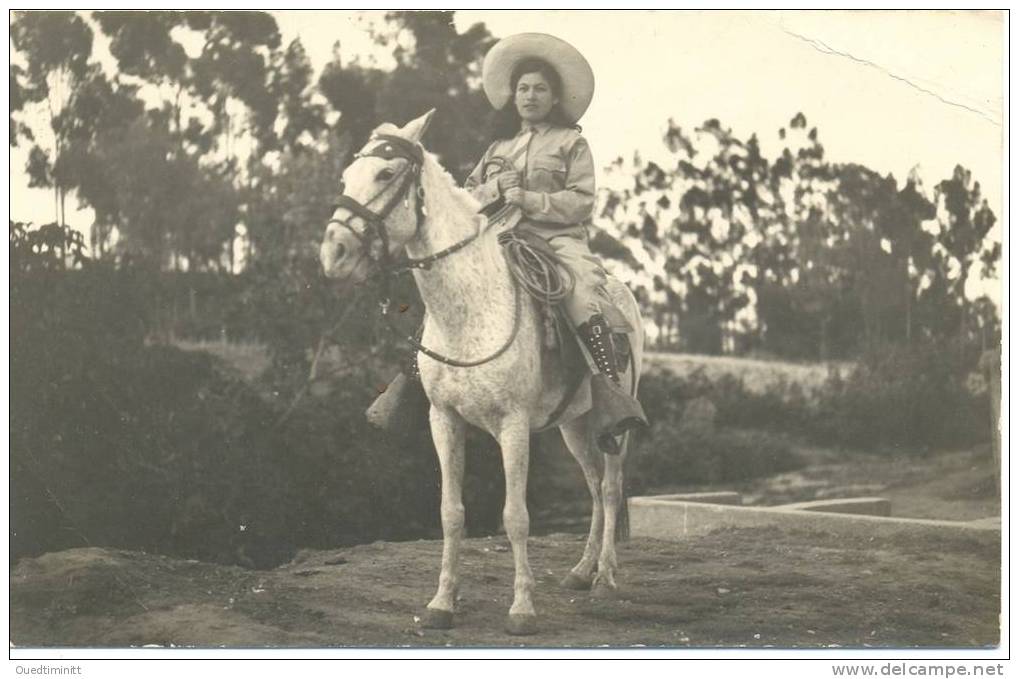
[(99, 113), (957, 246), (21, 95), (438, 69), (231, 64), (290, 84), (232, 89), (168, 207), (798, 256), (688, 221), (57, 46)]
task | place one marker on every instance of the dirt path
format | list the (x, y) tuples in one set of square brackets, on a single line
[(731, 588)]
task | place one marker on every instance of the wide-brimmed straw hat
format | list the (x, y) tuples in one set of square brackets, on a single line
[(573, 69)]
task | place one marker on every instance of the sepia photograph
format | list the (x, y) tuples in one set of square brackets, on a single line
[(596, 330)]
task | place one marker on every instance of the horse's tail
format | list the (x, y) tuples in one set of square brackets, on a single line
[(636, 361), (623, 511)]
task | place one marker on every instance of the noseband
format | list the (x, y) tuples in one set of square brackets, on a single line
[(375, 227), (375, 222)]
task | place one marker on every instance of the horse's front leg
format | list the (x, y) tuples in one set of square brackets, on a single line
[(448, 430), (514, 439)]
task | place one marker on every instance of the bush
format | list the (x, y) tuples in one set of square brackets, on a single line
[(783, 408), (912, 398), (165, 451), (121, 444), (737, 449), (669, 455), (897, 397)]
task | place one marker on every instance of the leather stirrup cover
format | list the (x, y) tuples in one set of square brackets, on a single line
[(614, 411), (399, 407)]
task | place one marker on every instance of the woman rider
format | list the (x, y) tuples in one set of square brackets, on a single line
[(540, 163), (541, 86)]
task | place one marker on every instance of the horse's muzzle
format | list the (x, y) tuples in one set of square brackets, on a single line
[(333, 251)]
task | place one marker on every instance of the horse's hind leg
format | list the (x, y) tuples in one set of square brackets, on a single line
[(578, 440), (514, 439), (448, 430)]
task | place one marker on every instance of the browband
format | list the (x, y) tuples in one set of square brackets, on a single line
[(395, 147)]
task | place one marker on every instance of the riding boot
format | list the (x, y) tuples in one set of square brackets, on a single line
[(401, 403), (614, 409)]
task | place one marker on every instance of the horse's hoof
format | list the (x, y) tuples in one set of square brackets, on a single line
[(522, 625), (437, 619), (602, 590), (574, 581)]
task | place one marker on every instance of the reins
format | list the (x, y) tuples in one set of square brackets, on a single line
[(456, 362), (375, 227)]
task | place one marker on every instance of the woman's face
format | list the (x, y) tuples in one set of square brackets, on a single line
[(534, 98)]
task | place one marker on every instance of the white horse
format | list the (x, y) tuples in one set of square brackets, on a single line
[(398, 197)]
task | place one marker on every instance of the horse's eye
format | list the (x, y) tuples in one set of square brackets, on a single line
[(384, 175)]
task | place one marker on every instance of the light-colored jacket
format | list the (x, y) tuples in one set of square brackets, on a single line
[(558, 167)]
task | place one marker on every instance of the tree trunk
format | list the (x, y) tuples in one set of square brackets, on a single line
[(823, 349), (909, 317)]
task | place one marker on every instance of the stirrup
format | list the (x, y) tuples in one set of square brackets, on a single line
[(614, 412), (398, 406)]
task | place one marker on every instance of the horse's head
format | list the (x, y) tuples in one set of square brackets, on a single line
[(380, 209)]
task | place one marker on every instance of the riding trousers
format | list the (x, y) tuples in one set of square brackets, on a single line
[(588, 275)]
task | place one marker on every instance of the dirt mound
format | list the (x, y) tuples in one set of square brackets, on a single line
[(731, 588)]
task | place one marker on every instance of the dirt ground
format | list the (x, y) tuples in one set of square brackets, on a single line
[(732, 588)]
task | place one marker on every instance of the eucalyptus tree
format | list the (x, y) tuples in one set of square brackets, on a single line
[(56, 47)]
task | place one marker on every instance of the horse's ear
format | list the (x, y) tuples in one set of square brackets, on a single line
[(415, 129)]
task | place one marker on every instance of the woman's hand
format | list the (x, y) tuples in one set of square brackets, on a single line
[(528, 201), (514, 196), (508, 180)]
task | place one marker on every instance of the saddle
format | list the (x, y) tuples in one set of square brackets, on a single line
[(404, 399), (531, 257), (557, 327)]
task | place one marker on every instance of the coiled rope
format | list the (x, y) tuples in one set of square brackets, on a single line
[(531, 260), (535, 268)]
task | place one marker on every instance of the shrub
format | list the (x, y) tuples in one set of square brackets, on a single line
[(911, 398), (121, 444), (736, 449), (669, 455), (904, 397)]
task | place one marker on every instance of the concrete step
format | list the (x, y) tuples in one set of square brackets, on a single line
[(670, 519), (871, 506)]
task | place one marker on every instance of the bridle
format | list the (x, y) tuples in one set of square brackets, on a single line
[(375, 229)]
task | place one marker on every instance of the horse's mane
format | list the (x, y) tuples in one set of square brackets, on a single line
[(440, 187)]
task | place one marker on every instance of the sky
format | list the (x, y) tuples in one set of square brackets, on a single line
[(890, 90)]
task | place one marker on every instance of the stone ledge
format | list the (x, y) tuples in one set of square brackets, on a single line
[(870, 506), (675, 520), (724, 497)]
